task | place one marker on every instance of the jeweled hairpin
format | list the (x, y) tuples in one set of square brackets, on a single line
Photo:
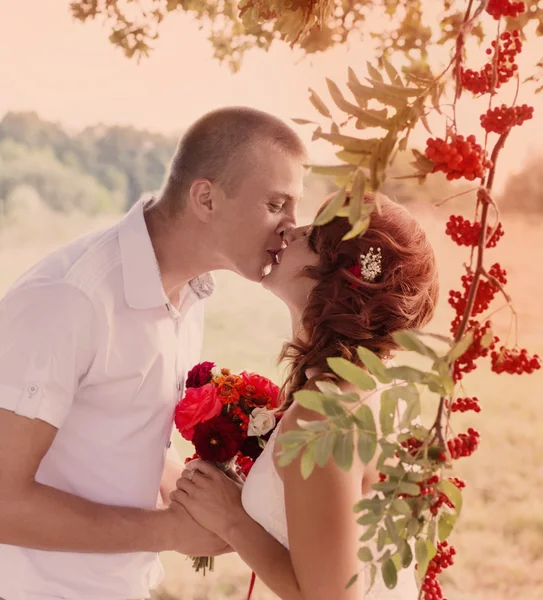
[(369, 266)]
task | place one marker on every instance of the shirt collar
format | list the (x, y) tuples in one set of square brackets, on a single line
[(141, 275)]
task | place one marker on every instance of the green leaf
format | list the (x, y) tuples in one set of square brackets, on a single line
[(324, 447), (333, 408), (327, 387), (343, 450), (409, 374), (373, 573), (401, 506), (406, 554), (365, 554), (352, 581), (411, 412), (381, 539), (391, 528), (373, 364), (403, 92), (304, 122), (288, 455), (368, 518), (331, 209), (358, 228), (372, 118), (357, 197), (316, 426), (310, 400), (331, 170), (446, 524), (369, 534), (357, 159), (373, 504), (389, 573), (432, 550), (413, 527), (294, 437), (319, 104), (351, 144), (421, 554), (351, 373), (374, 73), (452, 493), (405, 487), (392, 73), (308, 461), (387, 412), (394, 471), (460, 348), (408, 340), (367, 434)]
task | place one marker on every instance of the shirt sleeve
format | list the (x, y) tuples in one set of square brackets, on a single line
[(47, 344)]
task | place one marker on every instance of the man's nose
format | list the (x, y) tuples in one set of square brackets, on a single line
[(287, 226)]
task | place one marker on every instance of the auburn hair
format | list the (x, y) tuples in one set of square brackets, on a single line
[(343, 311)]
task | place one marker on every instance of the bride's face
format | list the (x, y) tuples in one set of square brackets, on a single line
[(287, 279)]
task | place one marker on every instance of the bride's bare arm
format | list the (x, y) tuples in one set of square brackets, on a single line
[(323, 535)]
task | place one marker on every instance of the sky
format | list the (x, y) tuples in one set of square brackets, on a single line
[(70, 73)]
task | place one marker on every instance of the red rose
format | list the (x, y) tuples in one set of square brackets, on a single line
[(199, 375), (217, 440), (198, 405), (259, 391)]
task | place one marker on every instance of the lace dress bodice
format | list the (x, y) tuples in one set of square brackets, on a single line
[(263, 498)]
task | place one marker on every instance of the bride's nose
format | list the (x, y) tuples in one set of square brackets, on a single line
[(294, 234)]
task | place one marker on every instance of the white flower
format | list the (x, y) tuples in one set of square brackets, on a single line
[(261, 422), (215, 371)]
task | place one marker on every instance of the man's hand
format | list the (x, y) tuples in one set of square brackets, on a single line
[(189, 537)]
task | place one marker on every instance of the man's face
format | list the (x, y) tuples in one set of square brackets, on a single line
[(249, 226)]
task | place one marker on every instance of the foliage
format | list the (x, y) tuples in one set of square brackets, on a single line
[(99, 168), (406, 26)]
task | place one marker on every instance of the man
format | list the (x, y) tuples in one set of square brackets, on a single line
[(95, 342)]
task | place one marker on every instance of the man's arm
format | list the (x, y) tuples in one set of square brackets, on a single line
[(34, 515)]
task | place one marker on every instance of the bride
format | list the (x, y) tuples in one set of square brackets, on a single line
[(300, 536)]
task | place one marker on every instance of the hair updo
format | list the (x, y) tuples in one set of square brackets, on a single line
[(343, 311)]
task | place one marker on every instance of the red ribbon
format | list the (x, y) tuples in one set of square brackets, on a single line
[(251, 586)]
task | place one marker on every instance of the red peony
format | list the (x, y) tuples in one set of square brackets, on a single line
[(259, 391), (217, 440), (199, 375), (199, 404)]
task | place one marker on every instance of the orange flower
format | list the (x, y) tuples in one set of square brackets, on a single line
[(228, 387)]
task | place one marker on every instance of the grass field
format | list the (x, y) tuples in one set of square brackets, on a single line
[(500, 535)]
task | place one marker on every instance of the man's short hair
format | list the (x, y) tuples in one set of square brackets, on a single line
[(220, 144)]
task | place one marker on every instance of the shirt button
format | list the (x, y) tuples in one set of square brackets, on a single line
[(32, 389)]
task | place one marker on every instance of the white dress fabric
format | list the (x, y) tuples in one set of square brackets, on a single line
[(263, 499)]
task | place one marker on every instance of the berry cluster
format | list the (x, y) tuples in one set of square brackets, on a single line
[(505, 8), (442, 498), (503, 118), (464, 444), (412, 445), (465, 233), (486, 291), (466, 363), (466, 404), (444, 558), (514, 362), (458, 157), (483, 81)]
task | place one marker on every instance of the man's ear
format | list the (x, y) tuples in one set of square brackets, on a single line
[(201, 199)]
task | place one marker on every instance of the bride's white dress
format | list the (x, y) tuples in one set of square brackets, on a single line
[(263, 498)]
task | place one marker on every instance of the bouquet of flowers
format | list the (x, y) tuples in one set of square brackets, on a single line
[(228, 418)]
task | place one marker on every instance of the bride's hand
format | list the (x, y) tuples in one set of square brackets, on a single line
[(211, 497)]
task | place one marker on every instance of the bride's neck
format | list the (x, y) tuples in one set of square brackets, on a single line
[(298, 331)]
